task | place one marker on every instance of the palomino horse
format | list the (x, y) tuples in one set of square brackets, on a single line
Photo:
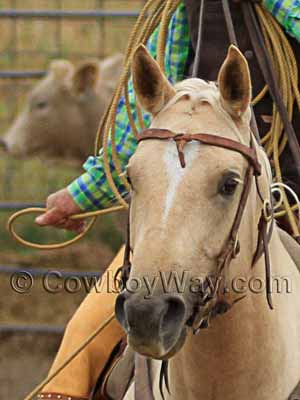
[(184, 203)]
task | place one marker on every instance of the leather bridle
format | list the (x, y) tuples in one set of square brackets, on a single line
[(231, 248)]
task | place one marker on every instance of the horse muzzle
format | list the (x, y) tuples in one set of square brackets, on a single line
[(155, 327)]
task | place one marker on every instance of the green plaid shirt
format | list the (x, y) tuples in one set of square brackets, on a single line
[(287, 13), (91, 190)]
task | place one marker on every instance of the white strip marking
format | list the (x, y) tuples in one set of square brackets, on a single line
[(175, 172)]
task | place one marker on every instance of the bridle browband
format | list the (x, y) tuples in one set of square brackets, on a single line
[(181, 139)]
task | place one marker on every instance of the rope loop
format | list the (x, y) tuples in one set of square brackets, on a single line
[(94, 215)]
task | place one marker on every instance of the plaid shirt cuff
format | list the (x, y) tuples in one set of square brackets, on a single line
[(91, 190), (85, 192)]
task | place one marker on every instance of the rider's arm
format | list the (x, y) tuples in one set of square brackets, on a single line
[(91, 190)]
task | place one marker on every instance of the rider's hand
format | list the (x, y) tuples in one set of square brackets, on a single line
[(60, 206)]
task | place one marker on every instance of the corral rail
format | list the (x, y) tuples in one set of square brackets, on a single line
[(23, 77)]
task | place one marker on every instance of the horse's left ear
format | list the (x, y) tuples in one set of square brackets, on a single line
[(235, 83)]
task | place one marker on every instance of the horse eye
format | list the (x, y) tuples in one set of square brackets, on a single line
[(41, 105), (228, 186), (129, 180)]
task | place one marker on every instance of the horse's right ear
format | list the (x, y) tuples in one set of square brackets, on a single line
[(151, 86)]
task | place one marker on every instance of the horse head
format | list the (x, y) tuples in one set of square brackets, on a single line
[(183, 209)]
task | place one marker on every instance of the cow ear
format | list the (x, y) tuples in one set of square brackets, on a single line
[(86, 76), (235, 83), (152, 88), (61, 70)]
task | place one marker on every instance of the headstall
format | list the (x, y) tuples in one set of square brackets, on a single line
[(231, 248)]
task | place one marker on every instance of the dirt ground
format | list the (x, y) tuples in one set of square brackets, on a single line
[(26, 357), (24, 362)]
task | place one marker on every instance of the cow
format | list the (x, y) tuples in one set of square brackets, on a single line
[(63, 110)]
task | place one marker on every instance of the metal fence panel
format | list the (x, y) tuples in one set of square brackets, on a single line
[(15, 80)]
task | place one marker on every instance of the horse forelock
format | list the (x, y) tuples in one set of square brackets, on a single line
[(201, 91)]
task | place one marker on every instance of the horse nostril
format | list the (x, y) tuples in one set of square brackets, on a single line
[(174, 315), (120, 309), (3, 144), (157, 323)]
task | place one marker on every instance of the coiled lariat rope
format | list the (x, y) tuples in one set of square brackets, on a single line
[(276, 139), (153, 14), (159, 12)]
